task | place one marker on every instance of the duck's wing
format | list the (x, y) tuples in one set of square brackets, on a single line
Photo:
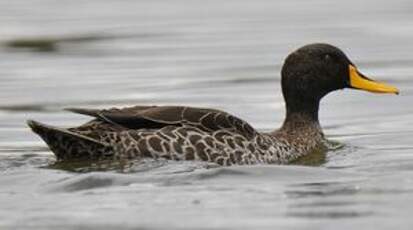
[(141, 117), (96, 112)]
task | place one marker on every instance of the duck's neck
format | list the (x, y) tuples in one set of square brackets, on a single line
[(301, 115)]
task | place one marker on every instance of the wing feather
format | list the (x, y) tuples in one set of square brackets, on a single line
[(155, 117)]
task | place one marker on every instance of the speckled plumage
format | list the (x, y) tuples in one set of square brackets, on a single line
[(177, 133)]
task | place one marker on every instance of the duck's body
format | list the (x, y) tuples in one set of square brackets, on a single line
[(178, 133), (187, 133)]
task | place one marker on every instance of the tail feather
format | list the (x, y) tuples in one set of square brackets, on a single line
[(66, 144)]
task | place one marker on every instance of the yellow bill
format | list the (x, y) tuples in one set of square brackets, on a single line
[(358, 81)]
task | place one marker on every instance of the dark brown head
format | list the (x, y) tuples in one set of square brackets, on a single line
[(313, 71)]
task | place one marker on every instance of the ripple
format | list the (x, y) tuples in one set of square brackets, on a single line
[(330, 214), (13, 162)]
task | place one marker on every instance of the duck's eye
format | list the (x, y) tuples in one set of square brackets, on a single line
[(327, 57)]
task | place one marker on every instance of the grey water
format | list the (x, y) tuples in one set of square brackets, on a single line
[(221, 54)]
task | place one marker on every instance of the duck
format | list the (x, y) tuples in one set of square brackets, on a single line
[(186, 133)]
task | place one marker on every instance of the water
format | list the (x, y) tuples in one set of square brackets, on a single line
[(221, 54)]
